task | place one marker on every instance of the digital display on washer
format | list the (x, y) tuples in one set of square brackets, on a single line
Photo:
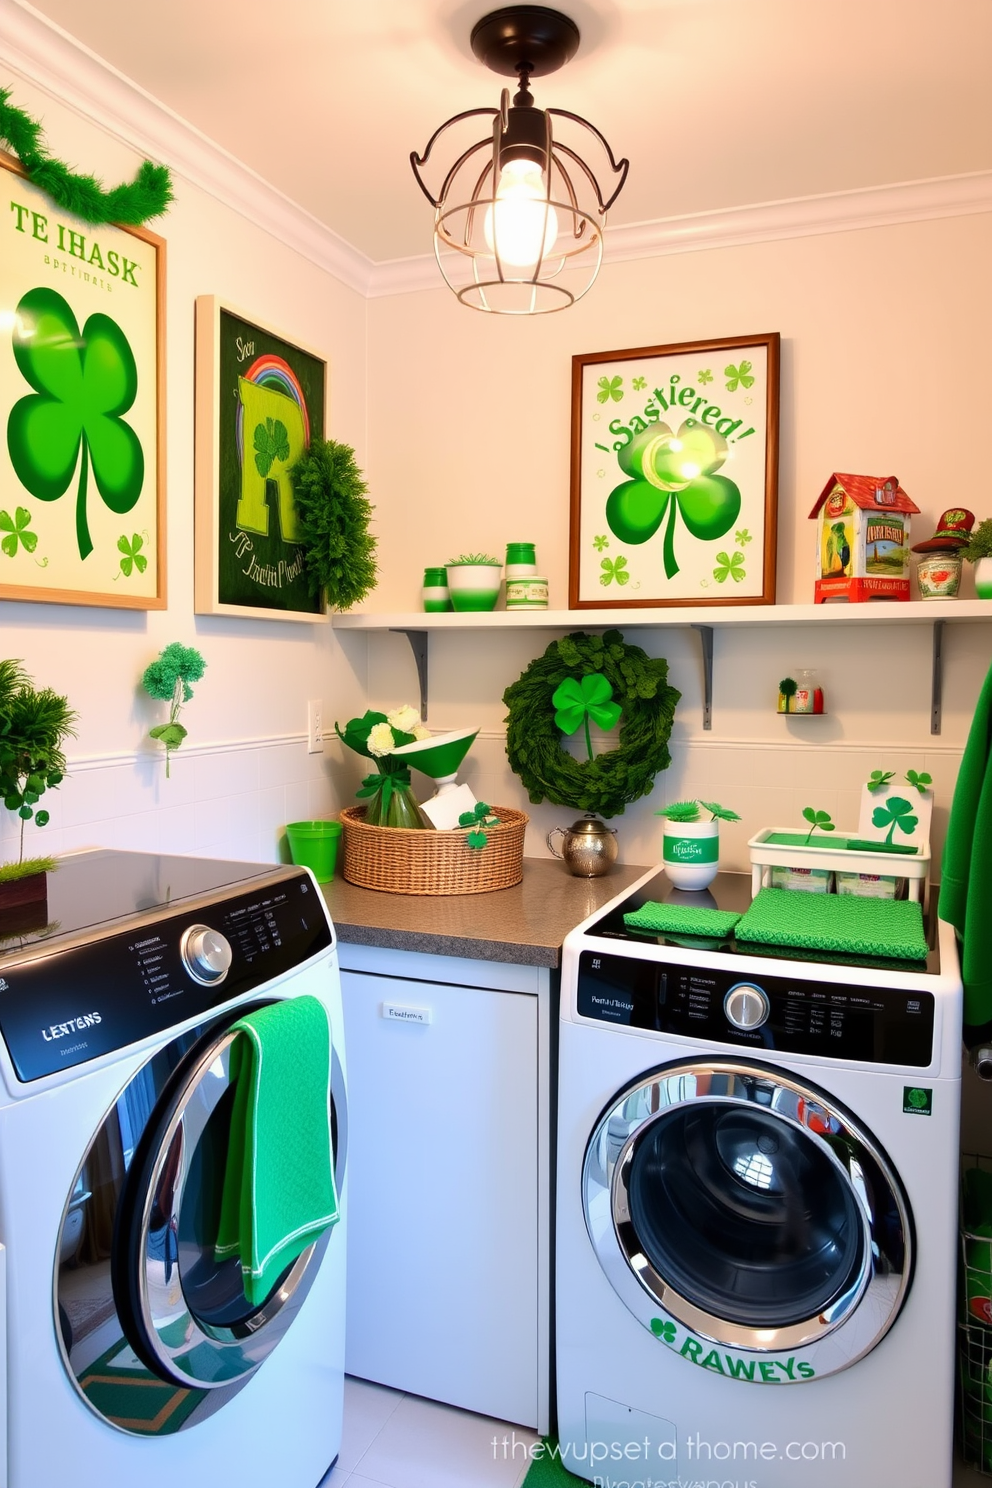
[(66, 1008), (883, 1025)]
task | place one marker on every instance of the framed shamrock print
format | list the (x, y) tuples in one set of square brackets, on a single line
[(82, 487), (259, 402), (675, 475)]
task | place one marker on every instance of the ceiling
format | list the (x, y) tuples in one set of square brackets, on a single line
[(718, 103)]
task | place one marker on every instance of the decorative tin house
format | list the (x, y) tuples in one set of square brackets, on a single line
[(862, 540)]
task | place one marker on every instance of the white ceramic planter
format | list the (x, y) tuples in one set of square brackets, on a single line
[(691, 852), (983, 578), (474, 586)]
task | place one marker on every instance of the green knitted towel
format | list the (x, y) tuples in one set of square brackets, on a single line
[(278, 1193), (836, 922), (681, 919)]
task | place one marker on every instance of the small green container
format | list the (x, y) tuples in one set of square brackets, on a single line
[(314, 845), (436, 598)]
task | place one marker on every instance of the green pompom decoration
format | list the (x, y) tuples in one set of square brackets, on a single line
[(608, 782), (131, 203), (339, 550)]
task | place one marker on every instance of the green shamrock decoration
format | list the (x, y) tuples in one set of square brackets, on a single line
[(578, 700), (481, 816), (133, 556), (83, 381), (639, 384), (599, 543), (742, 537), (610, 387), (16, 529), (920, 781), (705, 376), (674, 473), (821, 819), (895, 813), (271, 444), (738, 376), (614, 570), (733, 566), (878, 778), (788, 687), (666, 1332), (168, 678)]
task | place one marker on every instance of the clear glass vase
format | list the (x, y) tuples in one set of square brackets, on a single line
[(401, 809)]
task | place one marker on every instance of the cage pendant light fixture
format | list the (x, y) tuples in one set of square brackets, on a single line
[(519, 214)]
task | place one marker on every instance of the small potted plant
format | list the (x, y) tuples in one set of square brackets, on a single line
[(978, 551), (473, 581), (34, 725), (691, 848)]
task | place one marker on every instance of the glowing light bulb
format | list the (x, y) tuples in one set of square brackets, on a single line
[(521, 225)]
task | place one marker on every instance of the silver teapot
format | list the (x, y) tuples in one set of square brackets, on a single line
[(588, 848)]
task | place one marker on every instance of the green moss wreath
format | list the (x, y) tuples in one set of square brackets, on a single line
[(611, 781), (334, 513)]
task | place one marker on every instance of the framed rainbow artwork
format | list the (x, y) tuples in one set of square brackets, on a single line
[(259, 400)]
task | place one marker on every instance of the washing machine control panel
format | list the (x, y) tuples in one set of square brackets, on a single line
[(61, 1009), (839, 1020)]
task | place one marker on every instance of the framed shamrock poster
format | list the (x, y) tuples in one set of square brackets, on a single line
[(675, 475), (82, 352), (259, 402)]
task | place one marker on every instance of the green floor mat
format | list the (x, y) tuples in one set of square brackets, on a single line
[(546, 1471), (681, 919), (134, 1399), (836, 922)]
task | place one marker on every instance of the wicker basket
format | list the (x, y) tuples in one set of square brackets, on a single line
[(424, 862)]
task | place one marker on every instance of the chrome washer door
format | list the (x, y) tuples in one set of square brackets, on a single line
[(730, 1203)]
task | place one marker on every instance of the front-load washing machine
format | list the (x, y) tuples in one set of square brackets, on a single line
[(756, 1210), (133, 1354)]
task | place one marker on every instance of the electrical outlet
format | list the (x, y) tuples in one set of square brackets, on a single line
[(315, 726)]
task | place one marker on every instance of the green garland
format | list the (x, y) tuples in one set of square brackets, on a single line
[(334, 513), (608, 782), (131, 203)]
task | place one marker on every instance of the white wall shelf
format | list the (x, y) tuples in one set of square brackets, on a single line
[(417, 625)]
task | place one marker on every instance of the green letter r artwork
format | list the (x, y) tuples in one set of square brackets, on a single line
[(278, 449)]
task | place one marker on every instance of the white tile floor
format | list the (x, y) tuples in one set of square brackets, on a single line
[(393, 1440)]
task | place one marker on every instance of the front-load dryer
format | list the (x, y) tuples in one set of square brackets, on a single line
[(756, 1210), (133, 1354)]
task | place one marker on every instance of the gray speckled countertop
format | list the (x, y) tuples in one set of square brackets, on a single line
[(524, 925)]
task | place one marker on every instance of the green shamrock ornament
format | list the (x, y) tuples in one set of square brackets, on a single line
[(481, 816), (821, 819), (732, 566), (16, 530), (614, 569), (271, 443), (878, 778), (133, 558), (576, 700), (674, 473), (610, 387), (83, 381), (895, 813), (738, 376), (920, 779)]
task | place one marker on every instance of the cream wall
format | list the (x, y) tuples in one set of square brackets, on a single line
[(244, 770), (884, 370)]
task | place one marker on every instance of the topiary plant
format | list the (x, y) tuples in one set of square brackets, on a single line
[(339, 550), (34, 725)]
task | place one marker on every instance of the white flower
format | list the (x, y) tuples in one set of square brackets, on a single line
[(420, 732), (404, 719), (380, 740)]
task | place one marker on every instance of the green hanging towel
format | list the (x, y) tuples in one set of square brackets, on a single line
[(278, 1195), (966, 869)]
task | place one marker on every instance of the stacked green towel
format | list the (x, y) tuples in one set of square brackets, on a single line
[(681, 919), (966, 870), (836, 922), (279, 1193)]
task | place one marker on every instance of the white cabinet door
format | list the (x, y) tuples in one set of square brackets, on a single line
[(443, 1180)]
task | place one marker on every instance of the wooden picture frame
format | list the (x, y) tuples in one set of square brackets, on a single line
[(82, 392), (674, 487), (260, 398)]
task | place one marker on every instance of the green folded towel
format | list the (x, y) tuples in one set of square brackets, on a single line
[(836, 922), (681, 919), (278, 1193)]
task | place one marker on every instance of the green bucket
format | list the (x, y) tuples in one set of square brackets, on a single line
[(314, 845)]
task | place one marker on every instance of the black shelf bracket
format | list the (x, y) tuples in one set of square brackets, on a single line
[(418, 645), (706, 647), (937, 677)]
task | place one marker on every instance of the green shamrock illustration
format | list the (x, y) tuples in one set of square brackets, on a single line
[(674, 473), (133, 556), (666, 1332), (599, 543), (576, 701), (733, 566), (705, 376), (918, 1098), (271, 443), (878, 778), (611, 571), (16, 530), (895, 813), (738, 376), (83, 381), (742, 537), (639, 383), (821, 819), (610, 387), (920, 781)]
